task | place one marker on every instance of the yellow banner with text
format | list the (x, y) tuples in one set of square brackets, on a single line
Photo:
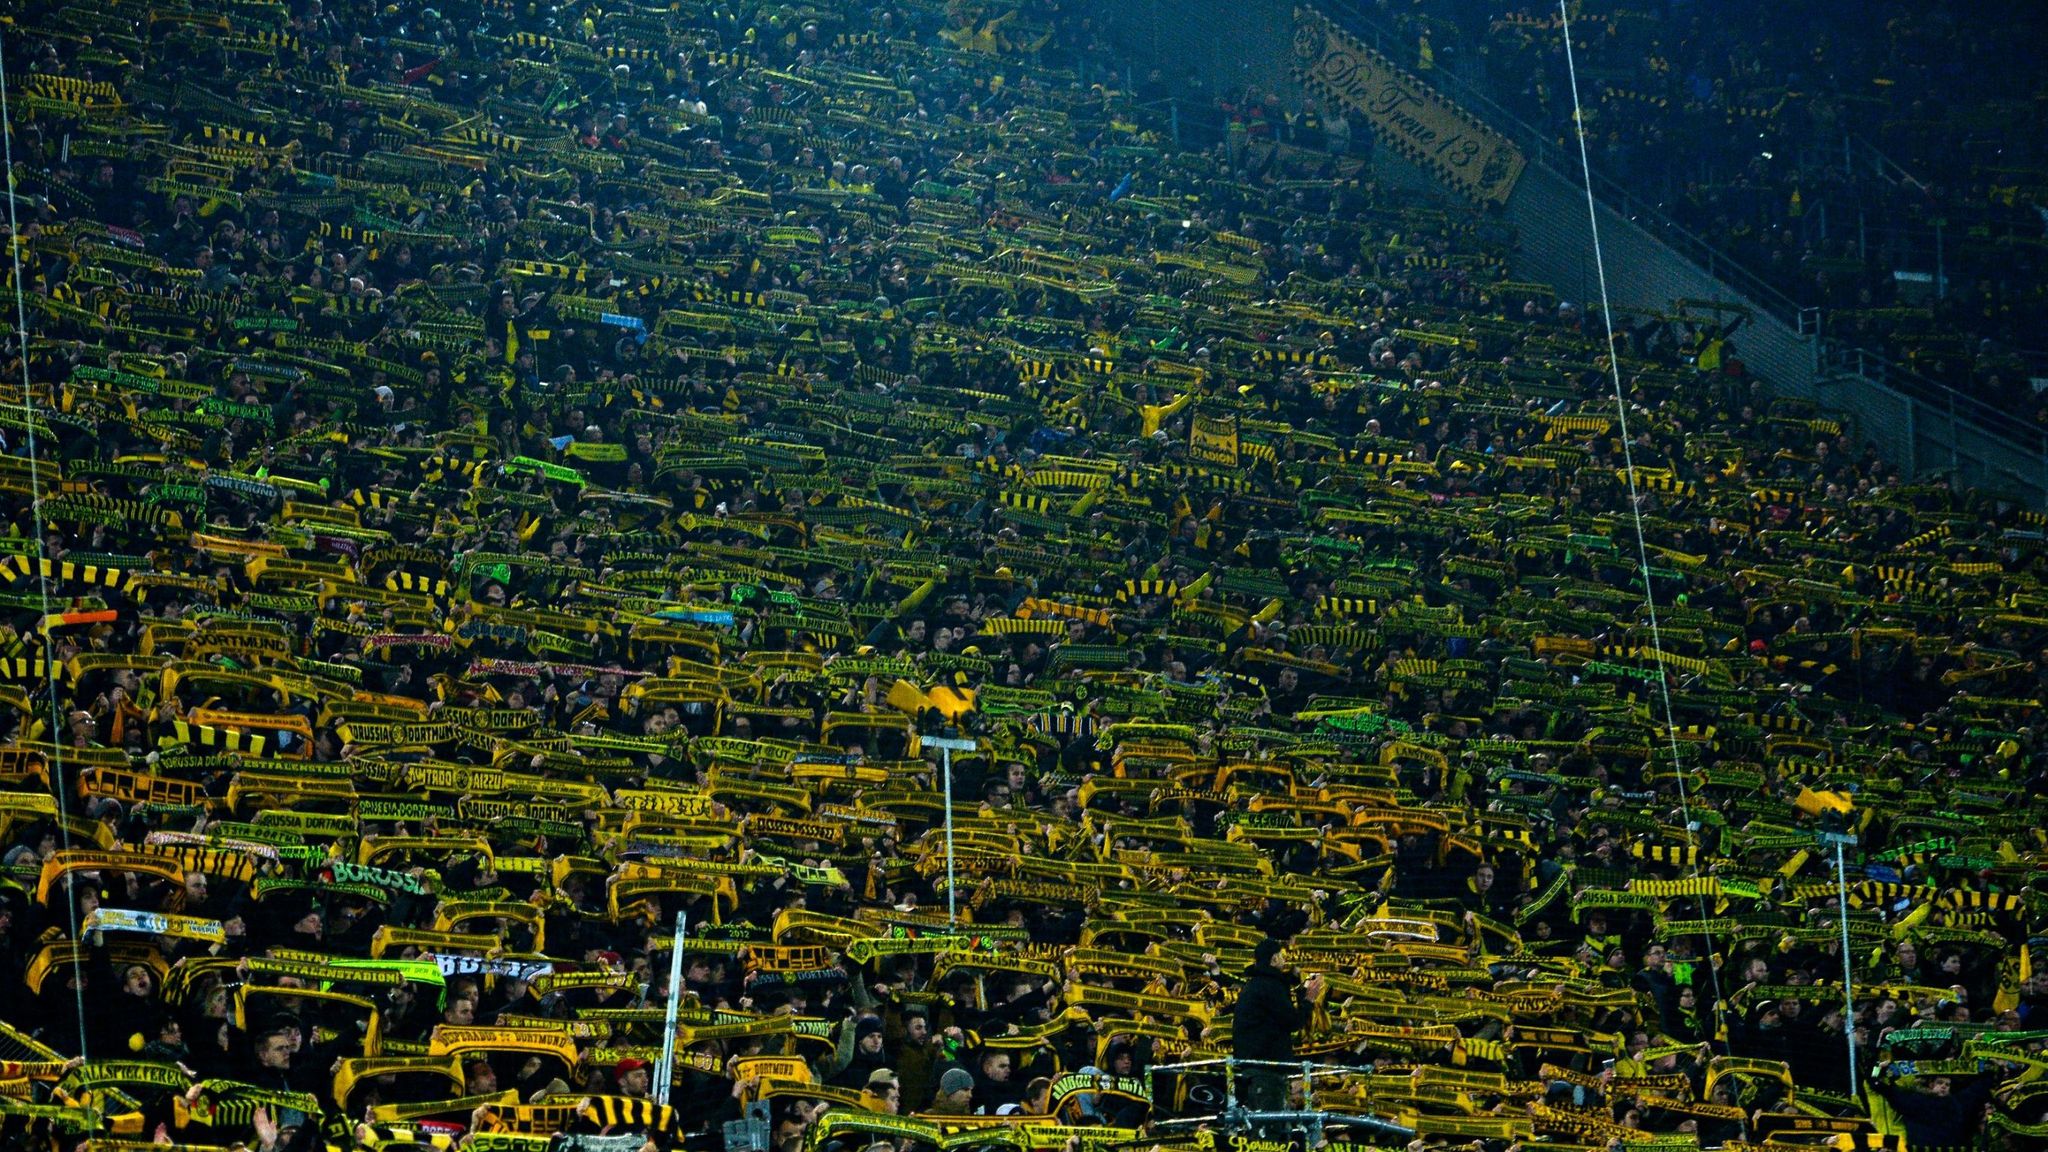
[(1408, 114)]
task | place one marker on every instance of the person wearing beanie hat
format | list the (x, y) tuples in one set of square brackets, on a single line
[(956, 1089), (1271, 1008), (859, 1053), (303, 919)]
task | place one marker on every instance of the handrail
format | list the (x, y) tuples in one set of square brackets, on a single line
[(1235, 1115), (1300, 1067), (1884, 162), (1539, 149), (1990, 422)]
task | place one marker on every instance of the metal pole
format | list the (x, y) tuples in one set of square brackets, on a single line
[(947, 745), (1940, 264), (1955, 459), (1912, 461), (952, 896), (1308, 1103), (665, 1072), (1848, 981)]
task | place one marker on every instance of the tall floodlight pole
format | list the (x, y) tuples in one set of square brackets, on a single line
[(947, 745), (1840, 841), (665, 1072)]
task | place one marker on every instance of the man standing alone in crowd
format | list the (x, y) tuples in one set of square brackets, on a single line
[(1271, 1008)]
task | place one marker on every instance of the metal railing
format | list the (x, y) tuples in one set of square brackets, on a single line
[(1873, 366), (1985, 420), (1882, 165), (1235, 1117), (2010, 461), (1942, 403), (1562, 159)]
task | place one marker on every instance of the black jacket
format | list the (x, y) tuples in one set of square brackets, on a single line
[(1937, 1121), (1270, 1010)]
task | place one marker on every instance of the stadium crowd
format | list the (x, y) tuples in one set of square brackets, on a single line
[(490, 486), (1821, 147)]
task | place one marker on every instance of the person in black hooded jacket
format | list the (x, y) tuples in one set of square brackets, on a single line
[(1936, 1111), (1271, 1008)]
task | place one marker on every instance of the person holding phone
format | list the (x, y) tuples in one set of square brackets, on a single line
[(1271, 1008)]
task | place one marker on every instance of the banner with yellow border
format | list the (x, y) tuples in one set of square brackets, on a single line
[(1408, 114)]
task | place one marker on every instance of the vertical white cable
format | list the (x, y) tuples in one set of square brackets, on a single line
[(1848, 983), (58, 784), (664, 1072), (1635, 504)]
